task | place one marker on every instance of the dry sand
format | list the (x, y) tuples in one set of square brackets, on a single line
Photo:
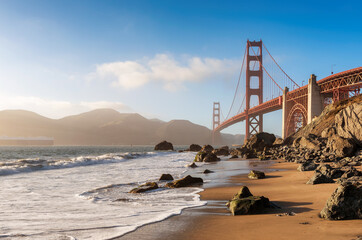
[(285, 188)]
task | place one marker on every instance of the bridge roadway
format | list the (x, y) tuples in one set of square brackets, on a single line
[(347, 80)]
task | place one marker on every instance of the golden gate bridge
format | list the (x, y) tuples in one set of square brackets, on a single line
[(269, 88)]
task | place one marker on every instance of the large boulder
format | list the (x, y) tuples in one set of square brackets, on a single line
[(145, 187), (260, 140), (318, 178), (345, 203), (341, 147), (256, 174), (185, 182), (164, 146), (348, 122), (310, 142), (200, 156), (194, 148), (207, 148), (245, 203)]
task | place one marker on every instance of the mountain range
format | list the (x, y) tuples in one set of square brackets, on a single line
[(106, 127)]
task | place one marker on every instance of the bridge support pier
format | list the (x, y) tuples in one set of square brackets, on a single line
[(315, 99), (284, 113)]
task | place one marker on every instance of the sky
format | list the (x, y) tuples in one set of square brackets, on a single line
[(163, 59)]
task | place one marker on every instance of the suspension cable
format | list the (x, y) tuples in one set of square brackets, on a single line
[(279, 66), (237, 86)]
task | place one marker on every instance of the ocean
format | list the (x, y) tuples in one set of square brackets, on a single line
[(82, 192)]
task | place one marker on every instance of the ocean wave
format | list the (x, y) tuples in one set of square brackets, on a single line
[(36, 164)]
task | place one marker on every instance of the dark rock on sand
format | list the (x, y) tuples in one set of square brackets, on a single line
[(256, 174), (145, 187), (245, 203), (307, 166), (318, 178), (164, 146), (208, 171), (166, 177), (345, 203), (185, 182), (194, 148)]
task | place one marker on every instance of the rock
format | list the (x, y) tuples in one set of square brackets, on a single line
[(164, 146), (224, 151), (234, 156), (310, 142), (244, 192), (342, 147), (348, 122), (200, 156), (260, 141), (185, 182), (248, 205), (256, 174), (244, 202), (194, 148), (307, 166), (318, 178), (192, 165), (208, 171), (166, 177), (351, 172), (207, 148), (210, 157), (329, 172), (145, 187), (345, 203)]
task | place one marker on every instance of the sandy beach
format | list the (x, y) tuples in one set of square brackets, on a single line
[(284, 185)]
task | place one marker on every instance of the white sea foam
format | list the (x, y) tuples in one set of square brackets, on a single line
[(87, 197)]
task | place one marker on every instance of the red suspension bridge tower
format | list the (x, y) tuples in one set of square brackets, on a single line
[(254, 75)]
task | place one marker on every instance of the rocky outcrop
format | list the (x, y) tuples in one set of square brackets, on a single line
[(166, 177), (187, 181), (145, 187), (256, 174), (341, 147), (245, 203), (164, 146), (260, 141), (348, 122), (345, 203), (194, 148)]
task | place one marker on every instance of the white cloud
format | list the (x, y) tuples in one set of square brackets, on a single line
[(56, 109), (163, 68)]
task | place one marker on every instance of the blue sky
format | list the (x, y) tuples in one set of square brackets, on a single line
[(162, 59)]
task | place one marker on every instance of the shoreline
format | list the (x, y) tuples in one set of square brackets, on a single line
[(283, 185)]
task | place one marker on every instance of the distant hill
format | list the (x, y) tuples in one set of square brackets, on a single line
[(106, 127)]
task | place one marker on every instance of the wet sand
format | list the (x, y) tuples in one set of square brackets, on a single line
[(286, 188)]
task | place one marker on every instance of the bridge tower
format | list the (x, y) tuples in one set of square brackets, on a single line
[(216, 136), (254, 74)]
